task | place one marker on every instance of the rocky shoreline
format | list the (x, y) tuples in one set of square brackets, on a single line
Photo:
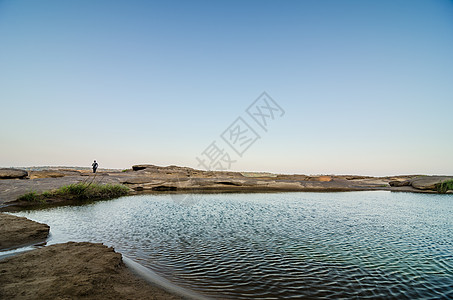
[(151, 178), (65, 271), (19, 231), (95, 271)]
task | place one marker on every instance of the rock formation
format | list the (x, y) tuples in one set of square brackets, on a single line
[(152, 178), (19, 231), (9, 173)]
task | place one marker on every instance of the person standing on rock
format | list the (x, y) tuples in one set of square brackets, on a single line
[(95, 166)]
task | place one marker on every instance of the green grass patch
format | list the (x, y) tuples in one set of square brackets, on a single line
[(32, 197), (85, 191), (46, 194), (79, 191), (444, 186)]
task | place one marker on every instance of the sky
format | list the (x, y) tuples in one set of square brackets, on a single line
[(364, 87)]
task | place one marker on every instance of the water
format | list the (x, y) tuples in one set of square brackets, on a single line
[(273, 246)]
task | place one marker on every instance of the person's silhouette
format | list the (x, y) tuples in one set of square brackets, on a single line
[(95, 166)]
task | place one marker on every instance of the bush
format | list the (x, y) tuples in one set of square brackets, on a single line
[(444, 186), (46, 194), (85, 191), (75, 189), (79, 191), (31, 197)]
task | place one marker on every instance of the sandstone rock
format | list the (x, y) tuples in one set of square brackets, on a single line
[(141, 167), (73, 271), (258, 174), (324, 178), (98, 174), (168, 168), (449, 192), (69, 172), (292, 177), (352, 177), (45, 174), (140, 180), (320, 178), (19, 231), (12, 173), (399, 183), (227, 174), (428, 182)]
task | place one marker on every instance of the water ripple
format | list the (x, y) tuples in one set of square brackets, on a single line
[(363, 245)]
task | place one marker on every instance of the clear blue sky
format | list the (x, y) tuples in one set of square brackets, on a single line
[(367, 86)]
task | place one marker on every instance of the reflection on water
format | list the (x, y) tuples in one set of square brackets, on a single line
[(273, 246)]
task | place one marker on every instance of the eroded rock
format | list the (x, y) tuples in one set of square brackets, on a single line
[(73, 271), (45, 174), (397, 183), (10, 173), (428, 182), (19, 231)]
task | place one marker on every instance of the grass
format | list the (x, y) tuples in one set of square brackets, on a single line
[(31, 197), (84, 191), (79, 191), (444, 186), (46, 194)]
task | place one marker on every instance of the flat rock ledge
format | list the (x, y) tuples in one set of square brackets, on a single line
[(146, 178), (19, 231), (428, 182), (9, 173), (73, 271)]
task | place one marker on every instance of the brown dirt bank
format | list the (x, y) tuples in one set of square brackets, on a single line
[(20, 231), (73, 271)]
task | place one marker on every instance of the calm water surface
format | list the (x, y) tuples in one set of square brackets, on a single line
[(274, 246)]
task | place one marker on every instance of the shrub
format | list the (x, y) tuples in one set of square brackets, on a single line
[(46, 194), (79, 191), (85, 191), (30, 197), (444, 186), (75, 189)]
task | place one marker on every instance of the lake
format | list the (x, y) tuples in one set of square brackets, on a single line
[(277, 245)]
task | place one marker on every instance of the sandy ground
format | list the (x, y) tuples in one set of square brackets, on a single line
[(73, 271), (65, 271), (19, 231)]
